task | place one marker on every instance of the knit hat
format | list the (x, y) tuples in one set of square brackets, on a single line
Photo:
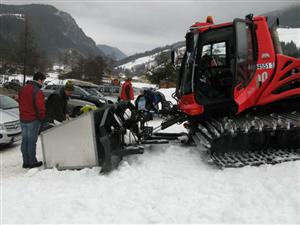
[(69, 86)]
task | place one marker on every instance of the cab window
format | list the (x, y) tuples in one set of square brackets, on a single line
[(214, 54)]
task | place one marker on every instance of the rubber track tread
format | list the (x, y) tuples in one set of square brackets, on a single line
[(216, 131)]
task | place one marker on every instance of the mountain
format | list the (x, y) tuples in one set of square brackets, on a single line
[(288, 17), (112, 52), (54, 31), (140, 62)]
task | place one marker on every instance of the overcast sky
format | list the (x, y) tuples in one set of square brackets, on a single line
[(137, 26)]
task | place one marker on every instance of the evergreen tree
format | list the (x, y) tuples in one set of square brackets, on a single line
[(290, 49), (89, 69), (163, 71)]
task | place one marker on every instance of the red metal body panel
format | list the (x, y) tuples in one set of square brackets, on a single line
[(188, 105), (201, 27), (247, 97), (287, 71)]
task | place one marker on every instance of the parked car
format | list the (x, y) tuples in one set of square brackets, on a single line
[(109, 90), (92, 90), (10, 127), (80, 93), (74, 105), (12, 85), (15, 81), (95, 92)]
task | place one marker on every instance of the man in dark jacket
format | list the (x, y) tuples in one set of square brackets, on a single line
[(32, 112), (56, 105)]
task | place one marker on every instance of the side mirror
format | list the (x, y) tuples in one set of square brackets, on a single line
[(189, 41)]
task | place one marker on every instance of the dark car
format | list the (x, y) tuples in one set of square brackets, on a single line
[(80, 93), (13, 85), (109, 90), (92, 90), (95, 92), (15, 81)]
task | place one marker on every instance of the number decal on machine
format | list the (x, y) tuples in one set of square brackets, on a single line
[(264, 66), (261, 78)]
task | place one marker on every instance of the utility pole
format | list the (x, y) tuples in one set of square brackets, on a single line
[(25, 47)]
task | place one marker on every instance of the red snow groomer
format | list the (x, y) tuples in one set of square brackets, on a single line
[(240, 94)]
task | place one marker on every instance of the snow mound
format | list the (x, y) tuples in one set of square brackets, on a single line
[(168, 94)]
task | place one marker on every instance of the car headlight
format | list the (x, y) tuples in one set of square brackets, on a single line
[(2, 127), (102, 100)]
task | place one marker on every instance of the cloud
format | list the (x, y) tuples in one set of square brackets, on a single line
[(137, 26)]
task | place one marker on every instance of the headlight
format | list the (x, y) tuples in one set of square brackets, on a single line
[(102, 100), (2, 127)]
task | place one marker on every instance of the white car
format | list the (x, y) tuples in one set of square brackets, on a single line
[(10, 127)]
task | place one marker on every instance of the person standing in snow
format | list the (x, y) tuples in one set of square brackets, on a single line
[(32, 113), (127, 93), (56, 104)]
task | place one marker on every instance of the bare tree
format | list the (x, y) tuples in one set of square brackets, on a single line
[(28, 49)]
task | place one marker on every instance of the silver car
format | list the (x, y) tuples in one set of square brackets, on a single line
[(10, 128)]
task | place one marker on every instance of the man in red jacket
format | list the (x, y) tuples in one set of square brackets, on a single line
[(32, 112), (127, 93)]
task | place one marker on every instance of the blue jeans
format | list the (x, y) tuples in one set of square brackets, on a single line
[(30, 133)]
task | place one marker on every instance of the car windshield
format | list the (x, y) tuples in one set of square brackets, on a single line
[(7, 103), (98, 92), (80, 91), (93, 91)]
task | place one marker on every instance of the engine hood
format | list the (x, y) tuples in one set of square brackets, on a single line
[(9, 115)]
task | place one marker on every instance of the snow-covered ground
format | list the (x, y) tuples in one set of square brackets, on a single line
[(169, 183), (168, 94), (142, 85)]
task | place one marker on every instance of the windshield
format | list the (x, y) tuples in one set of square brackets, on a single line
[(98, 92), (93, 91), (246, 60), (80, 91), (7, 103)]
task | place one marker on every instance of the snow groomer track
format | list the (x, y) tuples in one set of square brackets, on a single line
[(253, 140)]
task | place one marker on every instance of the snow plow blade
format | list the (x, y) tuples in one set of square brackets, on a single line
[(93, 139)]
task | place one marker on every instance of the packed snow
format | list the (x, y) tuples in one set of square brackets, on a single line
[(169, 183), (142, 85), (168, 92)]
